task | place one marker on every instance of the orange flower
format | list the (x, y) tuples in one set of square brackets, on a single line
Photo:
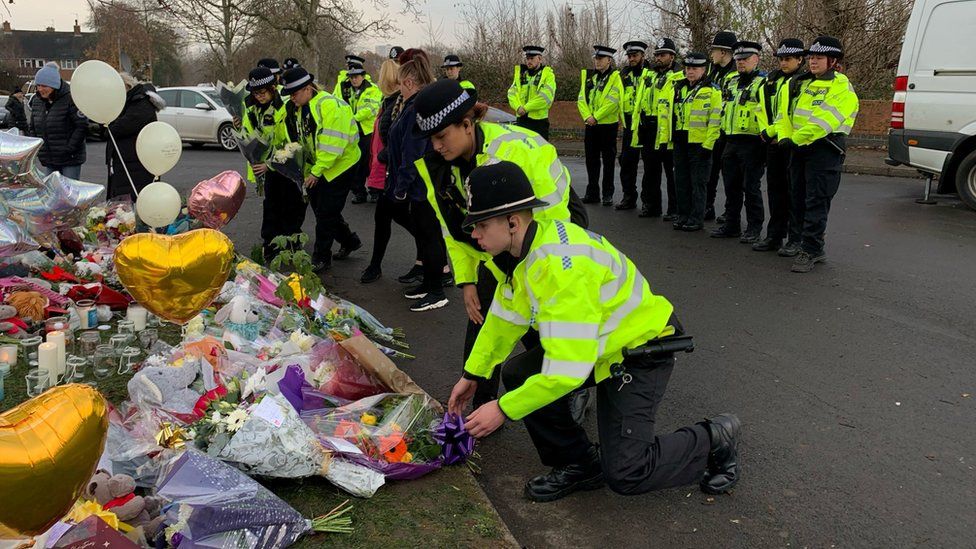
[(394, 448)]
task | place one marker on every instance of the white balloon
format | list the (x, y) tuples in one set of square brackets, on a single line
[(159, 147), (98, 91), (159, 204)]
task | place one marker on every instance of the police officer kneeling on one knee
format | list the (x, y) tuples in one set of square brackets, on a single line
[(589, 304)]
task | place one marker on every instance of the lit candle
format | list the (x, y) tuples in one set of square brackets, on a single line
[(8, 354), (57, 338), (137, 315), (47, 358)]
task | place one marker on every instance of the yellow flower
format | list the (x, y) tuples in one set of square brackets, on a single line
[(368, 419), (407, 458)]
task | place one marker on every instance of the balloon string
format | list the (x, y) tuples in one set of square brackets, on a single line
[(124, 167)]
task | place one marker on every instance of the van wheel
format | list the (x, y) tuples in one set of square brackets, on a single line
[(966, 180)]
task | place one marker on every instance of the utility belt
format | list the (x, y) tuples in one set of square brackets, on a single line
[(658, 352), (836, 142)]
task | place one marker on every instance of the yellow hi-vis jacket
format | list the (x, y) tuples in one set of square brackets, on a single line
[(533, 92), (600, 95), (812, 108), (265, 121), (742, 112), (588, 302), (365, 103), (536, 156), (332, 146), (648, 98), (630, 79), (772, 86), (697, 110)]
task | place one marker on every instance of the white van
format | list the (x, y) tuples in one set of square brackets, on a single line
[(933, 114)]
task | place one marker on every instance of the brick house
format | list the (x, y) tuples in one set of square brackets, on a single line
[(22, 52)]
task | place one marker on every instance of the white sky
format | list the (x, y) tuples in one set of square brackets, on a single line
[(39, 14)]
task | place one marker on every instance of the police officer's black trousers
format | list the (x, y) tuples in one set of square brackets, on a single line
[(284, 210), (716, 170), (540, 127), (635, 460), (692, 165), (657, 161), (817, 168), (629, 158), (743, 164), (430, 244), (600, 144), (777, 191), (328, 198)]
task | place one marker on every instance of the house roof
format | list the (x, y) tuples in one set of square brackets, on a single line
[(47, 44)]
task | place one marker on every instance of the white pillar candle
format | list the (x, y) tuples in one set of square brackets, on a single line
[(8, 354), (47, 358), (137, 315), (57, 338)]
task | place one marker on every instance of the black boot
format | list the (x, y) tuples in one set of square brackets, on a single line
[(767, 244), (723, 458), (563, 481), (348, 248)]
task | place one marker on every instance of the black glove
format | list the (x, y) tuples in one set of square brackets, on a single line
[(765, 137), (786, 143)]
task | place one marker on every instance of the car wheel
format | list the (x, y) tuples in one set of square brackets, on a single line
[(966, 180), (225, 136)]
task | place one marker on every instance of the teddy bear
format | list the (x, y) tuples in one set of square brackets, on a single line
[(117, 494), (240, 316), (11, 324), (166, 387)]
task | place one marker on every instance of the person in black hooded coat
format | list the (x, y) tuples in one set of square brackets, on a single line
[(141, 105)]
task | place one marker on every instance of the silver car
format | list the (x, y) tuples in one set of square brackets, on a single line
[(198, 116)]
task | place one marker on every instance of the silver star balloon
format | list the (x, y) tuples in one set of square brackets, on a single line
[(13, 239), (17, 154)]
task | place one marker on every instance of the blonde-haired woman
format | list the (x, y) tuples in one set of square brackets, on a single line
[(390, 88)]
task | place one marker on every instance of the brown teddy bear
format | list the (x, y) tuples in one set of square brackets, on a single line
[(117, 494)]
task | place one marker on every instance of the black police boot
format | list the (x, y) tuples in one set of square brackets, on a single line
[(726, 232), (723, 459), (720, 219), (359, 198), (415, 274), (371, 274), (767, 245), (626, 204), (348, 248), (678, 221), (563, 481), (750, 237), (647, 212), (692, 227), (590, 199)]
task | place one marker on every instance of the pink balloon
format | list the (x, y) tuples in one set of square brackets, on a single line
[(215, 201)]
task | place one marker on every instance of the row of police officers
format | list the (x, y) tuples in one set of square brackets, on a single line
[(718, 115)]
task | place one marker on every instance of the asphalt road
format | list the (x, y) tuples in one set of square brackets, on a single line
[(855, 383)]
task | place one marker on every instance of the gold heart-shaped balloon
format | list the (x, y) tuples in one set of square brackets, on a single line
[(49, 447), (175, 277)]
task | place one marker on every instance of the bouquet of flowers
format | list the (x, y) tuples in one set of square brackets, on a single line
[(108, 224), (232, 96), (391, 433), (288, 161), (255, 150)]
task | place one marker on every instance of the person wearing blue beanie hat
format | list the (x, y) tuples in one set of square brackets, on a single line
[(55, 117), (49, 75)]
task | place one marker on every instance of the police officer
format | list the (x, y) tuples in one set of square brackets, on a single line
[(599, 103), (284, 206), (721, 69), (272, 65), (532, 91), (290, 63), (790, 54), (690, 118), (342, 79), (364, 98), (631, 77), (744, 158), (328, 133), (657, 157), (818, 110), (452, 70), (589, 303)]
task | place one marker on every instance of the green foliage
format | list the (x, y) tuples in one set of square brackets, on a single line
[(293, 257), (257, 254)]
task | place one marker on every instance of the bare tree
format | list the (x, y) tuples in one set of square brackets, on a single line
[(222, 27), (133, 29)]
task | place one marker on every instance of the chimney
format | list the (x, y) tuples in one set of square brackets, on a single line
[(49, 29), (6, 27), (77, 28)]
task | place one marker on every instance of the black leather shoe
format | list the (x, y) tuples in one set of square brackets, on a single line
[(804, 261), (563, 481), (767, 245), (692, 227), (750, 237), (646, 212), (709, 213), (608, 202), (723, 459), (726, 232), (347, 249), (371, 274), (626, 205), (359, 198), (415, 274), (590, 199), (790, 249), (667, 217), (321, 266)]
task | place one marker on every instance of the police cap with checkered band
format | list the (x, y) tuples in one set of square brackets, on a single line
[(441, 104), (498, 189)]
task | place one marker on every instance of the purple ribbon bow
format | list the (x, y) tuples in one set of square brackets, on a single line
[(456, 443)]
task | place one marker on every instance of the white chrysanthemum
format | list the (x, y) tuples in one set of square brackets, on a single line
[(235, 420)]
